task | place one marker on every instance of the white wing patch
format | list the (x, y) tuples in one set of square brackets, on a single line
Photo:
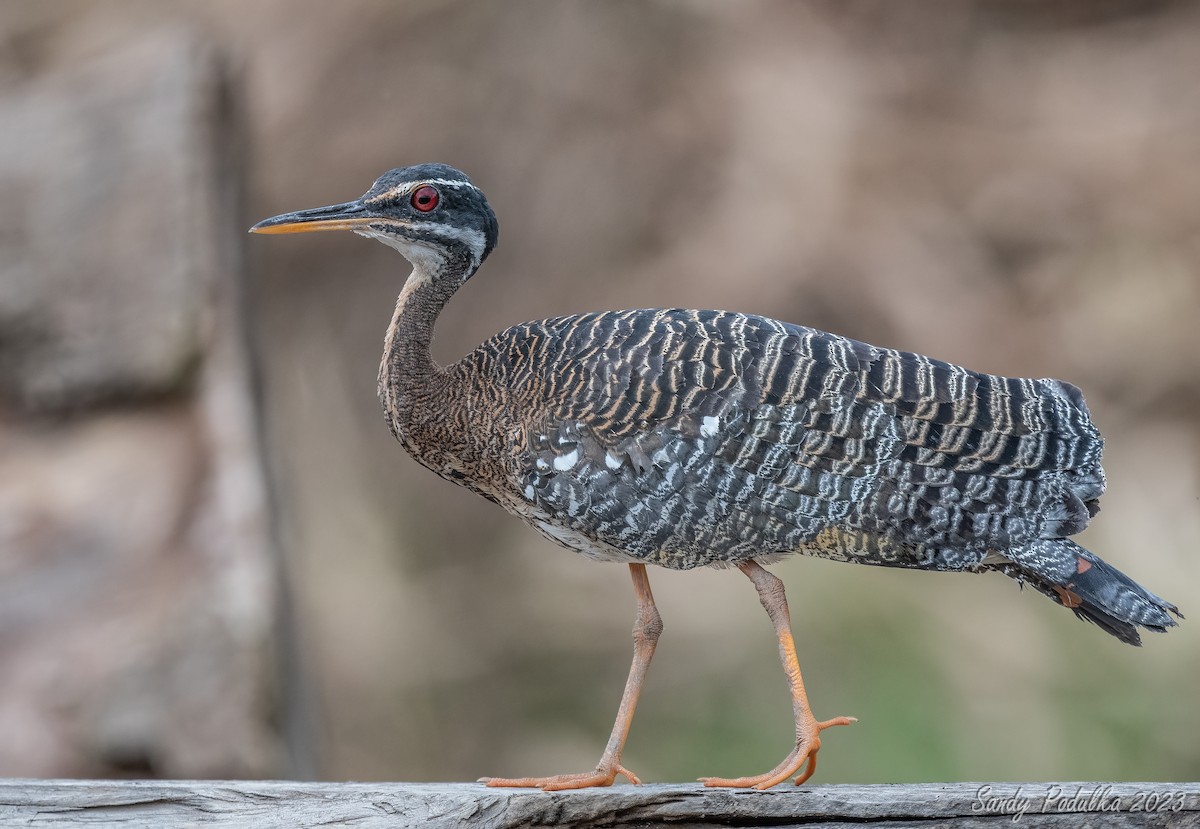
[(564, 462)]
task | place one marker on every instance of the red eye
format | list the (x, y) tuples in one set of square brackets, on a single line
[(425, 198)]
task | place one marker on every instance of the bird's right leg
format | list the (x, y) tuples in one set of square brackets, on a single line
[(646, 631), (808, 728)]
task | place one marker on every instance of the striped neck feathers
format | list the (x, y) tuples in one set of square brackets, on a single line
[(408, 376)]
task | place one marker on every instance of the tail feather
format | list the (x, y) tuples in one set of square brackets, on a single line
[(1095, 590)]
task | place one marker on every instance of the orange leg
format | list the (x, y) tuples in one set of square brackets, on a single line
[(645, 636), (808, 730)]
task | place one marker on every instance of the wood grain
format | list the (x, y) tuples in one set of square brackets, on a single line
[(290, 804)]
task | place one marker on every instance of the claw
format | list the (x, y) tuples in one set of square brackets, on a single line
[(803, 759)]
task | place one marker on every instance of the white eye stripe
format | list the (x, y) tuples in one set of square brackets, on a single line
[(405, 190), (442, 182)]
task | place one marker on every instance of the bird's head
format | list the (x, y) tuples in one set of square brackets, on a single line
[(431, 213)]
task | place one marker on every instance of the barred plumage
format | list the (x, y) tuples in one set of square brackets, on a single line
[(913, 461), (691, 438)]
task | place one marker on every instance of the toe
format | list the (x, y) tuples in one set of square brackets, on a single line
[(563, 782)]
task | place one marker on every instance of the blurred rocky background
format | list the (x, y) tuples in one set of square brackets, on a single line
[(214, 560)]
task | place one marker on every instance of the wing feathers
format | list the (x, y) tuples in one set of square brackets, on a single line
[(781, 435)]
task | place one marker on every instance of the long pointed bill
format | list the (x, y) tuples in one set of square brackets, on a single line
[(349, 216)]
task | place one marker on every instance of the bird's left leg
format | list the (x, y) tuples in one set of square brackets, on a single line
[(808, 729), (646, 631)]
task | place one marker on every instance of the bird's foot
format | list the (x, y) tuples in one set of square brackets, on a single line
[(602, 776), (804, 754)]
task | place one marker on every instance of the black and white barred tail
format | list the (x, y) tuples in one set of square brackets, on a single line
[(1098, 592)]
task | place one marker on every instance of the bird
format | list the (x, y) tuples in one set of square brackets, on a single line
[(690, 438)]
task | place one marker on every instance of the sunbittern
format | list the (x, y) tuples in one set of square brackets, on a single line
[(692, 438)]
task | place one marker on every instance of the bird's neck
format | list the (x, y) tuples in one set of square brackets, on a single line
[(408, 377)]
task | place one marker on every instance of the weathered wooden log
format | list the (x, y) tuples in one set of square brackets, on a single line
[(285, 804)]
